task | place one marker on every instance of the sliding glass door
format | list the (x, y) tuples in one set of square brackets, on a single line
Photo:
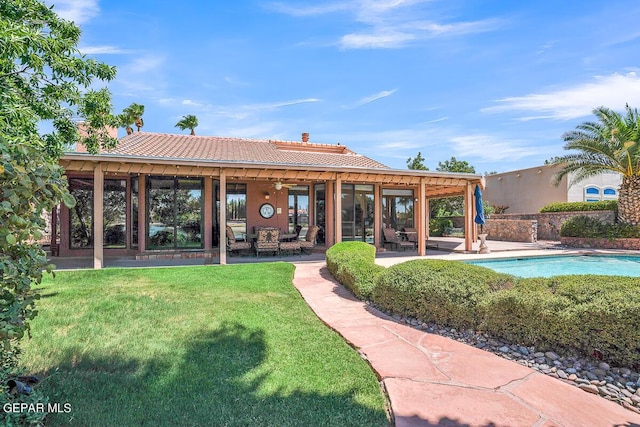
[(358, 210)]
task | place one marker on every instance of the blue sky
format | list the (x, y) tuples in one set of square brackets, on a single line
[(495, 83)]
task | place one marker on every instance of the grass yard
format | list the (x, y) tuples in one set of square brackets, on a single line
[(194, 346)]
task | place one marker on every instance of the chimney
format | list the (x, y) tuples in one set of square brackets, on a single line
[(305, 136)]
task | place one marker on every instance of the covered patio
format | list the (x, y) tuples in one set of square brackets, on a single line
[(159, 194)]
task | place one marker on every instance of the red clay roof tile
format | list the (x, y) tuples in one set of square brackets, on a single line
[(145, 144)]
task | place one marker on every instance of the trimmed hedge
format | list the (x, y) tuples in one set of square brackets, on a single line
[(590, 314), (607, 205), (353, 265), (594, 315), (588, 227), (444, 292)]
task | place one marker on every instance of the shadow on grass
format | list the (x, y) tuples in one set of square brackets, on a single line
[(216, 383)]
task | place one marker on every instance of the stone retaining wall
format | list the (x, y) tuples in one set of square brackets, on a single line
[(549, 223), (511, 230), (600, 243)]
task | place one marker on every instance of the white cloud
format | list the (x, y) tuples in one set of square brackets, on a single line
[(145, 63), (78, 11), (613, 91), (105, 49), (310, 10), (371, 98), (441, 119), (386, 40), (491, 148)]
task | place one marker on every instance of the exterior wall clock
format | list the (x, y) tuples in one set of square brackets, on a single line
[(266, 210)]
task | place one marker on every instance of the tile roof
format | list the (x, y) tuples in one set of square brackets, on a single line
[(189, 147)]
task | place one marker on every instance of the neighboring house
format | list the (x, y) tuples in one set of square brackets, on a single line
[(528, 190), (158, 195)]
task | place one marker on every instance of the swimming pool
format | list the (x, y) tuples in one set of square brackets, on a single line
[(611, 265)]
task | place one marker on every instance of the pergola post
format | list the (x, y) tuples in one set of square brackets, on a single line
[(208, 214), (468, 217), (422, 219), (223, 217), (98, 219), (338, 208)]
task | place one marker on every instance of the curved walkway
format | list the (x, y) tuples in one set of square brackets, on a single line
[(435, 381)]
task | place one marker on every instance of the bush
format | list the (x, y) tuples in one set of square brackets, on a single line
[(589, 314), (608, 205), (437, 226), (444, 292), (587, 227), (9, 371), (353, 265)]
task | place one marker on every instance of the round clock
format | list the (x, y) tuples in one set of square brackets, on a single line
[(266, 210)]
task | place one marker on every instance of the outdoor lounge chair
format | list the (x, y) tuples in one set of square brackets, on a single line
[(233, 244), (309, 241), (412, 236), (292, 247), (267, 241), (391, 238)]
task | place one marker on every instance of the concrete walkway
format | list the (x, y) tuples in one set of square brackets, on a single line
[(435, 381)]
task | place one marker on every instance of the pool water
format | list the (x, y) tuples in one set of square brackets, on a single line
[(563, 265)]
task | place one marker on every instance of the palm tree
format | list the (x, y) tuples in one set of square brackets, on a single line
[(610, 144), (132, 115), (188, 122)]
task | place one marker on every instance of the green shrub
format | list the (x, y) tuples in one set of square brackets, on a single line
[(438, 225), (445, 292), (529, 313), (587, 227), (585, 313), (608, 205), (353, 265)]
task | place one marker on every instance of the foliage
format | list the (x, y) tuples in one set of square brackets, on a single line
[(245, 351), (454, 165), (607, 205), (450, 206), (417, 163), (583, 313), (437, 226), (353, 265), (612, 144), (43, 79), (131, 115), (9, 371), (499, 209), (588, 227), (188, 122), (445, 292)]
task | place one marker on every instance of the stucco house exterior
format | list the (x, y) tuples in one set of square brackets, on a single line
[(175, 194), (528, 190)]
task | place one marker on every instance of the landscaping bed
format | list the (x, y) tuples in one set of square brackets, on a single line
[(582, 329)]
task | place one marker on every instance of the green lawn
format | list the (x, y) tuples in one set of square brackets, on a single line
[(213, 346)]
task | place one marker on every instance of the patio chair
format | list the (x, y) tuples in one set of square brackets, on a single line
[(309, 241), (391, 238), (267, 241), (412, 236), (233, 245), (292, 247)]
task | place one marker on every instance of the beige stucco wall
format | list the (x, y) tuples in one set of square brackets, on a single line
[(528, 190), (525, 190)]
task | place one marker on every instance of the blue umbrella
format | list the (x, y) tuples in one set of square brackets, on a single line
[(479, 219)]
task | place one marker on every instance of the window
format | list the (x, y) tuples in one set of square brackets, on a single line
[(593, 193), (81, 216), (115, 213), (237, 209), (299, 209), (609, 193), (320, 211), (174, 212), (397, 208), (135, 183)]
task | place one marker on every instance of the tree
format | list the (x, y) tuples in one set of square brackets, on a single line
[(450, 206), (188, 122), (417, 163), (454, 165), (43, 78), (131, 115), (610, 144)]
